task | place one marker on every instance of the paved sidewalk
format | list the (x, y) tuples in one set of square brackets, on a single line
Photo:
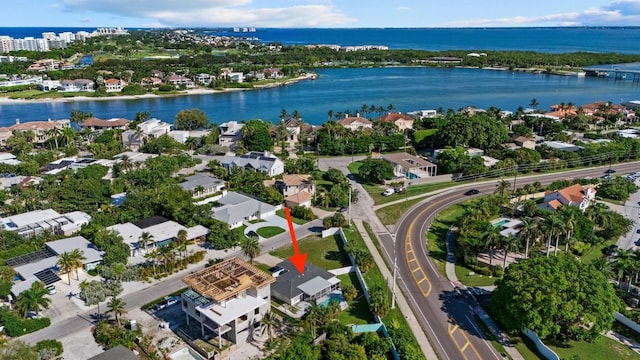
[(450, 269), (421, 337)]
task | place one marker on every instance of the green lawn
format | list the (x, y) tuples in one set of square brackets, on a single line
[(437, 233), (473, 280), (324, 253), (293, 218), (358, 311), (602, 348), (389, 215), (269, 231)]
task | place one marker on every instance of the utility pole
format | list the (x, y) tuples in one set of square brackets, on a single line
[(349, 205), (395, 267)]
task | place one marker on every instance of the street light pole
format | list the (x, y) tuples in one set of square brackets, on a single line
[(349, 205), (395, 262)]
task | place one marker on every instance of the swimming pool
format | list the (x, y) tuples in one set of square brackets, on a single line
[(333, 296), (501, 223)]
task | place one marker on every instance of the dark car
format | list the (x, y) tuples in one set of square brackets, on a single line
[(252, 233), (343, 209), (472, 192), (609, 171), (610, 250)]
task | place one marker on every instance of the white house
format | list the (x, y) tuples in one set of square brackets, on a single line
[(257, 160), (235, 208), (114, 85), (574, 195), (230, 134), (355, 123), (39, 221)]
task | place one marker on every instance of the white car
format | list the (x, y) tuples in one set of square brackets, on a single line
[(388, 192), (51, 289)]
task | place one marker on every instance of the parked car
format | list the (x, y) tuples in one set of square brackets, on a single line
[(252, 233), (343, 209), (472, 192), (609, 171), (610, 250), (51, 289), (388, 192), (277, 271), (398, 189)]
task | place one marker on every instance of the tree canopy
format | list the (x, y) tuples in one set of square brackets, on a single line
[(558, 297), (191, 120), (256, 136), (375, 171)]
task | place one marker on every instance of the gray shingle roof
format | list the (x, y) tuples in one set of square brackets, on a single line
[(287, 284), (206, 181)]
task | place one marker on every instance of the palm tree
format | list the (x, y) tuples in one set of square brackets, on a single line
[(623, 264), (182, 240), (502, 188), (250, 246), (198, 191), (70, 261), (116, 306), (144, 240), (152, 255), (492, 238), (550, 228), (269, 322), (530, 230), (53, 133), (32, 299), (165, 253), (191, 143), (68, 134), (509, 243), (534, 103), (312, 316)]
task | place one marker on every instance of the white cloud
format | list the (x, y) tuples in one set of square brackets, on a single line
[(216, 13), (616, 13), (403, 8)]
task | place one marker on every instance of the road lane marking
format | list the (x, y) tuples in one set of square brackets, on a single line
[(452, 329)]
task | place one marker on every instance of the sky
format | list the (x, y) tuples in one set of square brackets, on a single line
[(319, 13)]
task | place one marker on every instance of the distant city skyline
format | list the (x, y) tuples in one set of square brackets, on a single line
[(320, 13)]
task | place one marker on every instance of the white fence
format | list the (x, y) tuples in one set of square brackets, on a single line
[(363, 284), (627, 322), (542, 348)]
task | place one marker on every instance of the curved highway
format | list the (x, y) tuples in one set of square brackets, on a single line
[(444, 314)]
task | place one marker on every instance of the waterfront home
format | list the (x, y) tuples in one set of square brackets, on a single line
[(235, 208), (402, 121), (94, 123), (40, 221), (162, 231), (298, 190), (202, 185), (178, 81), (227, 300), (134, 139), (262, 161), (15, 81), (230, 134), (410, 166), (78, 85), (43, 266), (151, 81), (114, 85), (574, 195), (182, 136), (205, 79), (50, 85), (39, 128), (314, 283), (354, 123)]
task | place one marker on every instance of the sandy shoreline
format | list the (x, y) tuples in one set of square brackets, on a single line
[(198, 91)]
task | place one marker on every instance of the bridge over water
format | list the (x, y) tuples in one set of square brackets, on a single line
[(618, 71)]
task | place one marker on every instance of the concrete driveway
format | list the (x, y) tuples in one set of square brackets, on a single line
[(273, 220)]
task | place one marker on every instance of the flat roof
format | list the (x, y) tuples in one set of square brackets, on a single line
[(31, 217), (227, 279), (314, 286), (88, 250), (231, 309)]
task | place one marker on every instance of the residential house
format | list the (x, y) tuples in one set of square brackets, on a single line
[(50, 85), (524, 142), (298, 190), (562, 146), (235, 208), (181, 136), (230, 134), (256, 160), (114, 85), (40, 221), (39, 128), (410, 166), (162, 231), (354, 123), (78, 85), (178, 81), (202, 185), (227, 300), (43, 265), (574, 195), (93, 124), (151, 81), (402, 121), (205, 79), (134, 139), (292, 126), (314, 283)]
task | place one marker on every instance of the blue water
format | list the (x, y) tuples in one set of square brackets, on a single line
[(336, 297), (407, 89)]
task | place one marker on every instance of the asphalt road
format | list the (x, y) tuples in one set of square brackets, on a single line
[(446, 317)]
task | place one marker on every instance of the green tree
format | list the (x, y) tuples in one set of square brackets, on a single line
[(18, 350), (379, 303), (117, 307), (256, 136), (250, 246), (71, 261), (33, 299), (269, 322), (558, 297), (191, 120), (375, 171)]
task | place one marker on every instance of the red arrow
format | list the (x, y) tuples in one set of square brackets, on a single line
[(297, 259)]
